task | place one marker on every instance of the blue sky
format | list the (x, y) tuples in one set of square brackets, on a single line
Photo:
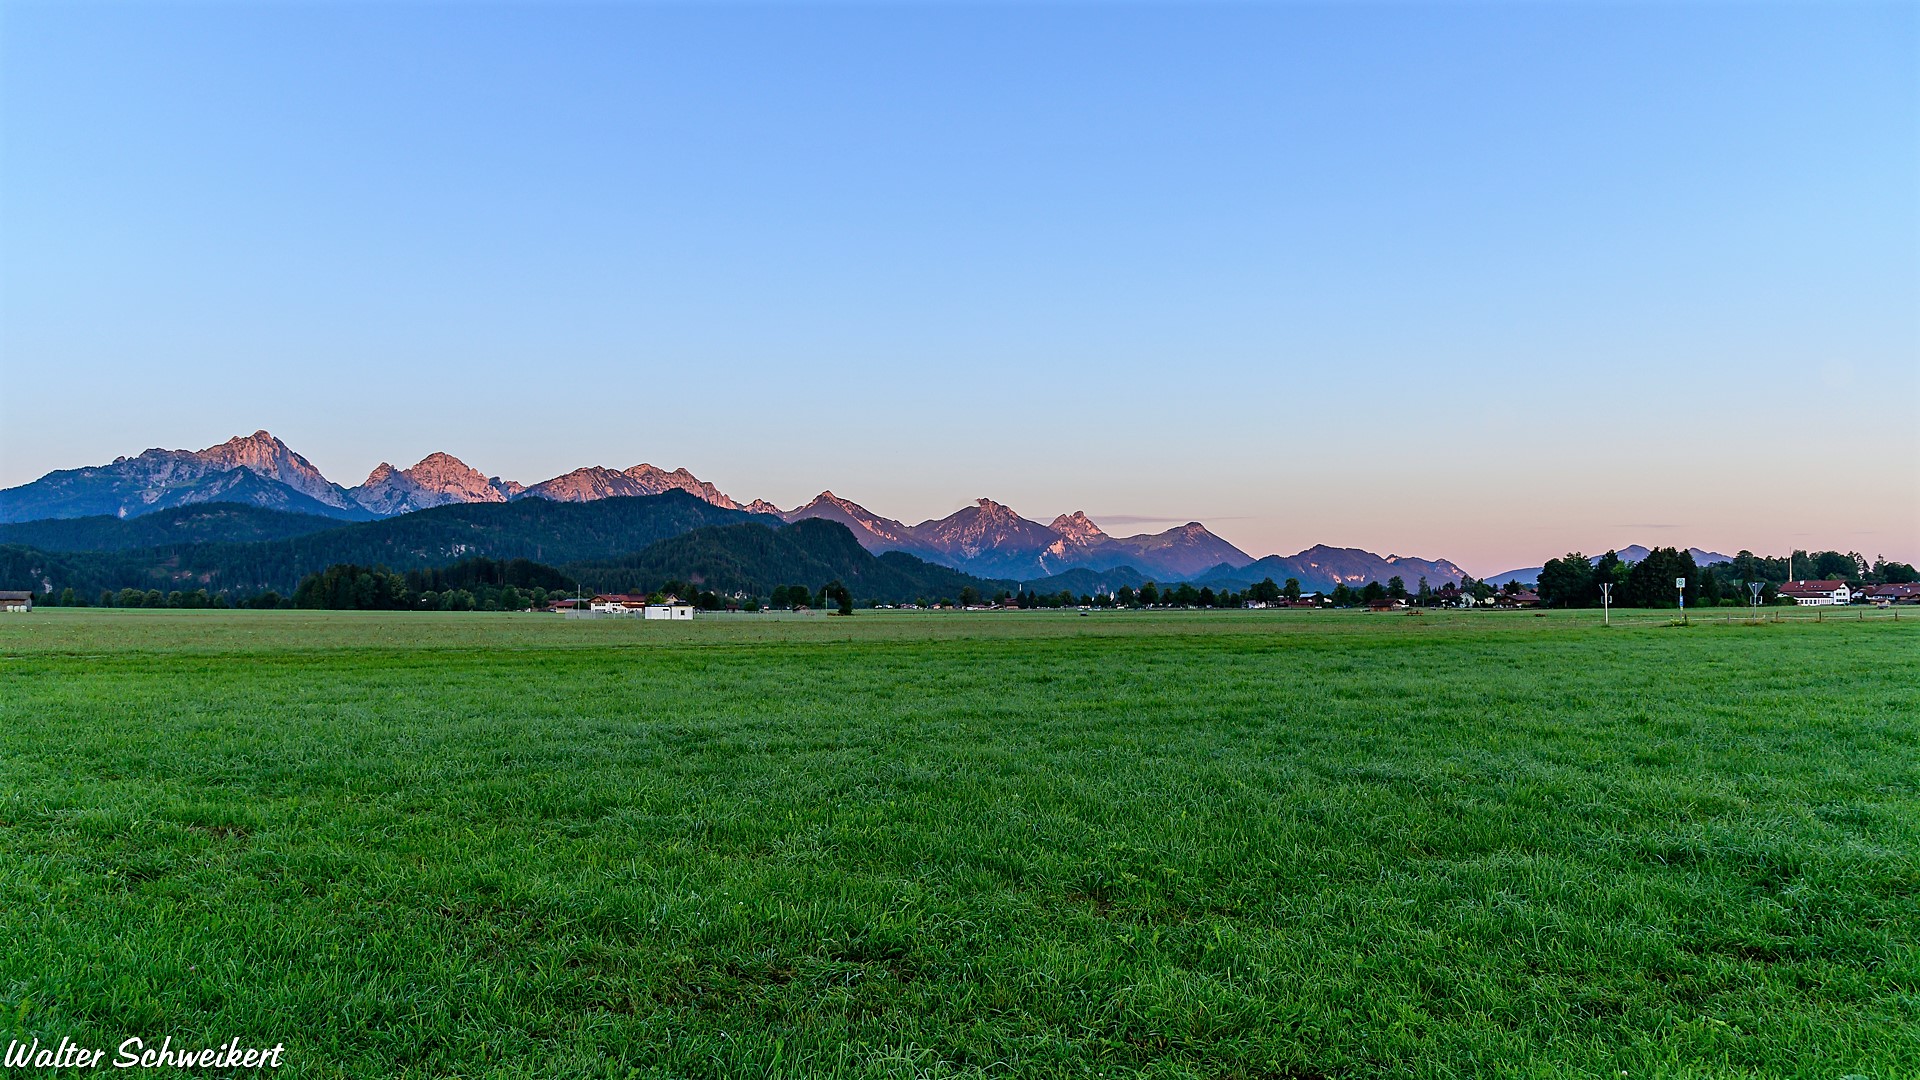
[(1486, 281)]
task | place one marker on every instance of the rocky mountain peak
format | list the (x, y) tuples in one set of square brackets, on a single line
[(828, 499), (1077, 526), (259, 446), (993, 511), (595, 482), (444, 472), (875, 533), (264, 455), (435, 480)]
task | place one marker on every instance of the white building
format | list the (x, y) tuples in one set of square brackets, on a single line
[(617, 604), (676, 611), (1817, 593)]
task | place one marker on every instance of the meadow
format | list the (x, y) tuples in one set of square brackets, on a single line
[(1283, 845)]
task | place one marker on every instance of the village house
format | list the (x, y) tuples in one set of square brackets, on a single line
[(16, 601), (634, 604), (618, 604), (1903, 593), (1817, 593)]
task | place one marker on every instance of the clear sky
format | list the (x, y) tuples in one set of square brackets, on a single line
[(1487, 282)]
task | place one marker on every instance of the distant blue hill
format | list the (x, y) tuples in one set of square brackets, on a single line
[(1321, 568), (1082, 581)]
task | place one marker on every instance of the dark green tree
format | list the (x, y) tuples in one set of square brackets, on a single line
[(837, 593), (1894, 573), (1568, 582), (1650, 582), (1609, 569)]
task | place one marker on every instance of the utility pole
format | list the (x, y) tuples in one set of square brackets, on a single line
[(1606, 604)]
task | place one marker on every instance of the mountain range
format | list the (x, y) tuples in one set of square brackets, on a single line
[(1320, 568), (986, 539), (101, 507), (613, 544), (250, 554), (257, 470)]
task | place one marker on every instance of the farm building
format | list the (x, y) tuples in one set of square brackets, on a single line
[(1817, 593), (669, 607), (16, 601), (618, 604), (1905, 593)]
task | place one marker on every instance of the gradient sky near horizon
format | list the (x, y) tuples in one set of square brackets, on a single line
[(1484, 281)]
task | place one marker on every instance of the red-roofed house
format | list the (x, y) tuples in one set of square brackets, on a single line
[(1817, 593), (1904, 593), (618, 603)]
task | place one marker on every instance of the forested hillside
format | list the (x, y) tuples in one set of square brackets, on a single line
[(196, 524), (754, 559), (536, 529)]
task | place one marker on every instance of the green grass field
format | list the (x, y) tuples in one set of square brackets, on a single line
[(1246, 844)]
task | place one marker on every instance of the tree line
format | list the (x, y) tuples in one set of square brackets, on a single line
[(476, 584), (1576, 581), (484, 584)]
